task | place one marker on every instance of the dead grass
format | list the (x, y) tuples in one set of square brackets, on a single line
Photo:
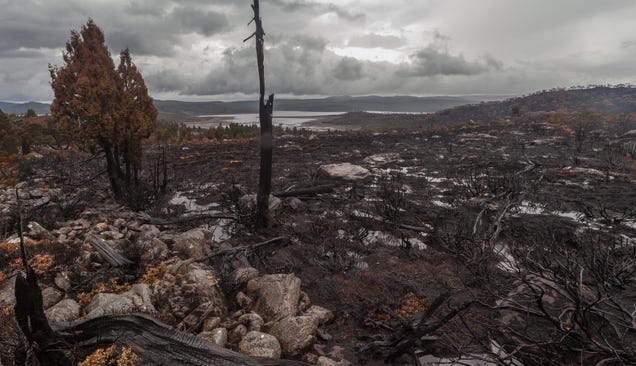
[(154, 274), (109, 357)]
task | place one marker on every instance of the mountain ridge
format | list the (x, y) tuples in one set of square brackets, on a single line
[(403, 103)]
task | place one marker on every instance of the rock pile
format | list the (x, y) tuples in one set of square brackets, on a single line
[(260, 315)]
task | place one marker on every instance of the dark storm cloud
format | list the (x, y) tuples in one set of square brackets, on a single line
[(317, 8), (372, 40), (16, 35), (348, 69), (161, 34), (194, 20), (434, 61), (194, 48)]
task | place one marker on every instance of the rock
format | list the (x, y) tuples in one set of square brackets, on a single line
[(112, 235), (326, 361), (101, 226), (304, 302), (252, 321), (136, 299), (344, 171), (51, 296), (337, 353), (242, 275), (295, 333), (243, 300), (7, 292), (248, 203), (36, 231), (185, 286), (238, 333), (64, 311), (386, 158), (196, 318), (153, 250), (148, 243), (120, 223), (277, 294), (260, 345), (294, 203), (322, 315), (192, 244), (217, 336), (212, 323), (62, 280), (310, 358)]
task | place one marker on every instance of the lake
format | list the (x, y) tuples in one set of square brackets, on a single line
[(285, 118)]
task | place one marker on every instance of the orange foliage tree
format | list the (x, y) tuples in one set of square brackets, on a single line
[(99, 105), (138, 112)]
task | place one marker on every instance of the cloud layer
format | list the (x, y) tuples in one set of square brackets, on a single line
[(194, 50)]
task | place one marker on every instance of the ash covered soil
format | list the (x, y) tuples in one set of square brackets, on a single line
[(432, 212)]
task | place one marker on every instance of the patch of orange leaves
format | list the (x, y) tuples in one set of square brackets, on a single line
[(40, 263), (108, 357), (411, 305), (154, 274)]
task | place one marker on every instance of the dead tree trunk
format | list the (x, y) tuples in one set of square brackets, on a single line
[(42, 342), (265, 118)]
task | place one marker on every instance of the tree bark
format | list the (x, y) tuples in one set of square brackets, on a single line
[(265, 118), (112, 169)]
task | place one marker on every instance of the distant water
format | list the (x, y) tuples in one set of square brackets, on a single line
[(285, 118)]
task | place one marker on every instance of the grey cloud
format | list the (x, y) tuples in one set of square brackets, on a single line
[(628, 44), (373, 40), (166, 80), (206, 23), (151, 35), (15, 36), (22, 53), (348, 69), (319, 8), (434, 60)]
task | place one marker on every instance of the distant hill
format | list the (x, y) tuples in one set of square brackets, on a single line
[(609, 100), (174, 108), (331, 104), (21, 108)]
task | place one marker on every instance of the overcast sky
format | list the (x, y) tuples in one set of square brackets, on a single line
[(194, 50)]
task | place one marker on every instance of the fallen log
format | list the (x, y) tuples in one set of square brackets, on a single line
[(107, 252), (156, 343)]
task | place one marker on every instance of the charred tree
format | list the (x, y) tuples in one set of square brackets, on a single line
[(265, 110)]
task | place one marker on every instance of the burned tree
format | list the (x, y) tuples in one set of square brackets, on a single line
[(102, 107), (265, 118)]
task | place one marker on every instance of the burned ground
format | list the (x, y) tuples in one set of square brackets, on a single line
[(444, 210)]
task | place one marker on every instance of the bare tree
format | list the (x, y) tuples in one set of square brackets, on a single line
[(265, 118)]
